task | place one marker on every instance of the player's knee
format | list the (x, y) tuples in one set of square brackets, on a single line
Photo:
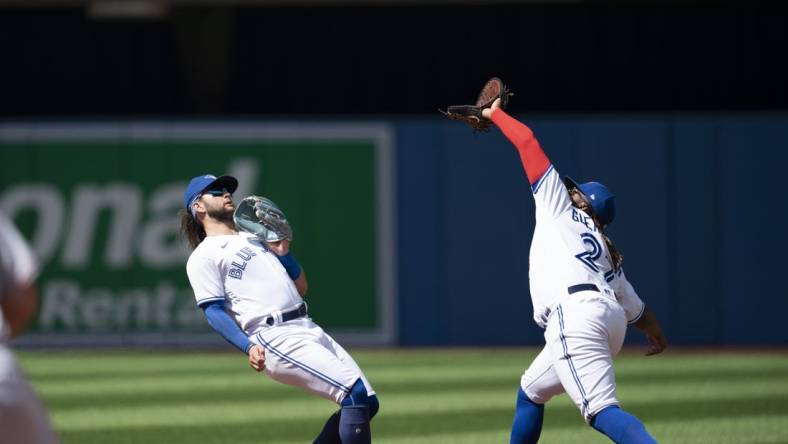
[(374, 406), (534, 398), (357, 395), (522, 398)]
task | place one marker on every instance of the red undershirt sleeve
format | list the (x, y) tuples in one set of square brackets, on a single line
[(535, 161)]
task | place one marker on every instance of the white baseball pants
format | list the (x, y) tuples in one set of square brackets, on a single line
[(583, 334), (301, 354)]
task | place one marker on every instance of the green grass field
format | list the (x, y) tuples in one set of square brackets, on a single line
[(426, 395)]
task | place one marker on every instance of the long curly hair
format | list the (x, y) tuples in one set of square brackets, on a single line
[(615, 255), (192, 229)]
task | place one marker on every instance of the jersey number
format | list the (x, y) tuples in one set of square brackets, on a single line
[(592, 253)]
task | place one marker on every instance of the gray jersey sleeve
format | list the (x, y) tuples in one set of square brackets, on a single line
[(18, 265)]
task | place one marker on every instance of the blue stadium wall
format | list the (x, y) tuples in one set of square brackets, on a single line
[(701, 222)]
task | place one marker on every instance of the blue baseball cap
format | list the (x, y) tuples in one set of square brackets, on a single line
[(201, 183), (602, 201)]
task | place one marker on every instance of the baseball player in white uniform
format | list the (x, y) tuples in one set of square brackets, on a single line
[(252, 294), (580, 296), (23, 419)]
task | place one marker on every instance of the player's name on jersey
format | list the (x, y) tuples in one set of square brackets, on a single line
[(578, 216)]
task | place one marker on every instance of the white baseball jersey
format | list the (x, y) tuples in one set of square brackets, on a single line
[(243, 272), (567, 249), (585, 329)]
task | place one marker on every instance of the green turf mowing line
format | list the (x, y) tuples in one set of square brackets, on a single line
[(429, 396)]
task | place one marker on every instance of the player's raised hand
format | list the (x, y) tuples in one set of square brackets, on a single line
[(487, 112), (257, 358), (280, 248)]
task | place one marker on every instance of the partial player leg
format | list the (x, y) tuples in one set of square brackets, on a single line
[(310, 359), (537, 386), (583, 335), (330, 432), (348, 360), (298, 357), (621, 427), (354, 419), (528, 417)]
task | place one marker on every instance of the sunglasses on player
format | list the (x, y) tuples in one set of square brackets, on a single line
[(216, 192)]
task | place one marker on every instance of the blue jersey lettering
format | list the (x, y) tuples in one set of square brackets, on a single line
[(583, 219), (237, 270), (592, 253)]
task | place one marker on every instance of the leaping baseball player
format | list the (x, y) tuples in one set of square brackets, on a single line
[(251, 290), (580, 296)]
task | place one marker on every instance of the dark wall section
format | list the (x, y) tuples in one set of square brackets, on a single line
[(699, 223), (392, 60), (60, 63)]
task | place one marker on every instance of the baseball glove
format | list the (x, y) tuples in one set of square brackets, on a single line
[(472, 114), (260, 216)]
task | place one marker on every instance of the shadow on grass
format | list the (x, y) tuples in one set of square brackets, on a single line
[(710, 375), (296, 430), (639, 376), (264, 391), (419, 424)]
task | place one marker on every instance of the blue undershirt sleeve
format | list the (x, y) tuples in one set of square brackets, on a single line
[(291, 265), (226, 326)]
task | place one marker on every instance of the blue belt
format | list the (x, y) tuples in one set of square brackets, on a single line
[(295, 313), (582, 287)]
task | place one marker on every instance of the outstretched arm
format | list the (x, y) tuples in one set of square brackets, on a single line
[(535, 161), (548, 190)]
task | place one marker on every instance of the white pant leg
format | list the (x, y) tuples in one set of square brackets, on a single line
[(296, 354), (23, 418), (540, 381), (348, 360), (583, 335)]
